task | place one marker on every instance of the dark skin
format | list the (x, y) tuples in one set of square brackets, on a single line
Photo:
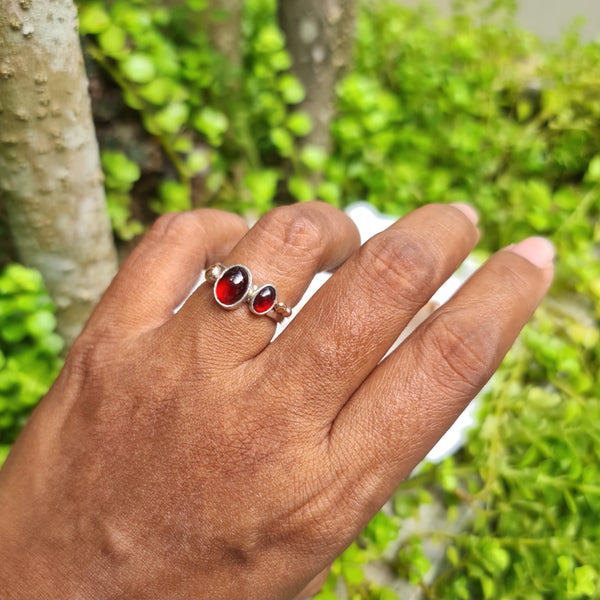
[(184, 455)]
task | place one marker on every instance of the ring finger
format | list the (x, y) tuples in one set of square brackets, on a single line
[(286, 248)]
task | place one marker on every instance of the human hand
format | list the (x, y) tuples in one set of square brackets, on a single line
[(185, 455)]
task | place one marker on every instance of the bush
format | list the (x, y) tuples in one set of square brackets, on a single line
[(29, 348)]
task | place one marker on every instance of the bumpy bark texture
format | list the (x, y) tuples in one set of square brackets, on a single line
[(320, 38), (226, 34), (50, 175)]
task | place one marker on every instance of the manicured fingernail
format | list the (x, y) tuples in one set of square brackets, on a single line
[(468, 211), (537, 250)]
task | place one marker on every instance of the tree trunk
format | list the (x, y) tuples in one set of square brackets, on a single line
[(225, 30), (320, 38), (50, 175)]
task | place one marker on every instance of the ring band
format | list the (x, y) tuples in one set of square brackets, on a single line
[(233, 286)]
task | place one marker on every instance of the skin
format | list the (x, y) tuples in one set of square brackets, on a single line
[(184, 455)]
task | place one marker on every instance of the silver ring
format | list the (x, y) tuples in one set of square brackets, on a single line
[(233, 286)]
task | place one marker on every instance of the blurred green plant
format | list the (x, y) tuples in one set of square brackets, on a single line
[(120, 174), (29, 348), (229, 129)]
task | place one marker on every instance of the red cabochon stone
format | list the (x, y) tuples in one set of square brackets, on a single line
[(232, 286), (265, 299)]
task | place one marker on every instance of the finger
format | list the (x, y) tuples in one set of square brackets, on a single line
[(163, 269), (286, 248), (412, 398), (353, 320), (315, 585)]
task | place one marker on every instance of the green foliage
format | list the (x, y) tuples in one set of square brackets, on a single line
[(120, 175), (29, 348), (382, 530), (210, 122)]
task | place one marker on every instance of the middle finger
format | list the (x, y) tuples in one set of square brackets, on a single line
[(352, 321)]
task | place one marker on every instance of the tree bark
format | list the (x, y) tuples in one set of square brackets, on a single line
[(226, 34), (50, 175), (320, 38)]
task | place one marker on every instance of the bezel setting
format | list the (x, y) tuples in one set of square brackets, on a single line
[(247, 292), (252, 298)]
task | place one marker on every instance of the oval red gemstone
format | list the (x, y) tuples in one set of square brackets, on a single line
[(264, 300), (232, 287)]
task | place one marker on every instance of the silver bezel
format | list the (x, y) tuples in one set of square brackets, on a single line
[(210, 274), (255, 293), (246, 294)]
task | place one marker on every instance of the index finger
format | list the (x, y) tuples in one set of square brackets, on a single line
[(162, 270)]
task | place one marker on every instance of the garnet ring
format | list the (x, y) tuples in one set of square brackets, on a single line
[(233, 286)]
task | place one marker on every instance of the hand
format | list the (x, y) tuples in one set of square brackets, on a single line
[(184, 455)]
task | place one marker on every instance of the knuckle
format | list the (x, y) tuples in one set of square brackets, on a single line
[(463, 357), (162, 224), (174, 227), (399, 267), (85, 355), (295, 231), (513, 283), (85, 367), (444, 217)]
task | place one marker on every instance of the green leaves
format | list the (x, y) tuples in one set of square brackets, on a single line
[(413, 564), (138, 68), (182, 87), (172, 118), (174, 197), (593, 172), (213, 124), (113, 41), (269, 39), (29, 348), (432, 112), (314, 158), (17, 278), (158, 91), (283, 141), (198, 161), (93, 19), (120, 174), (291, 89), (40, 323), (299, 123), (301, 189), (586, 582), (263, 187)]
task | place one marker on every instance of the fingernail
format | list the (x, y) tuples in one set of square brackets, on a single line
[(468, 211), (537, 250)]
